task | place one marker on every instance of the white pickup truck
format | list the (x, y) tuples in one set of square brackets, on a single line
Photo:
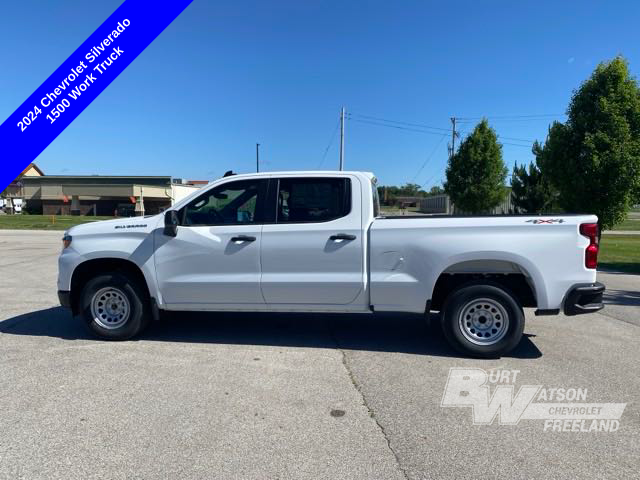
[(316, 242)]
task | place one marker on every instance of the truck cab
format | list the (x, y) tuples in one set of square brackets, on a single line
[(267, 242)]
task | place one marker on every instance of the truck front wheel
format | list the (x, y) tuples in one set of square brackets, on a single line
[(482, 320), (113, 306)]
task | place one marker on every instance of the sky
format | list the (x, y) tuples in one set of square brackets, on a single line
[(227, 75)]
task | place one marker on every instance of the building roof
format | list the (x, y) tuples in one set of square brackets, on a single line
[(29, 167), (97, 180)]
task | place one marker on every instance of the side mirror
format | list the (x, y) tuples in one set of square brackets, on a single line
[(171, 222)]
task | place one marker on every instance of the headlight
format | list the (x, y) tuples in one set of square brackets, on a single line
[(66, 241)]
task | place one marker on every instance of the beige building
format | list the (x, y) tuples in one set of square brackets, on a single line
[(93, 194), (102, 195), (12, 197)]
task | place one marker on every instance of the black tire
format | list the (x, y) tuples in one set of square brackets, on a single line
[(458, 331), (126, 292)]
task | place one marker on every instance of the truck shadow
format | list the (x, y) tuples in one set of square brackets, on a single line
[(622, 297), (399, 333)]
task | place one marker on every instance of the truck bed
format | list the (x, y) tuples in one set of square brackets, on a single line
[(407, 257)]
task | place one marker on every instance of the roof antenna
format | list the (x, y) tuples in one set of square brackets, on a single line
[(228, 173)]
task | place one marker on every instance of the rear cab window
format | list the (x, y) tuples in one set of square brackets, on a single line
[(315, 199)]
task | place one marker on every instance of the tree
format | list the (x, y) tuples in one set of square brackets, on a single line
[(388, 194), (411, 190), (594, 158), (436, 190), (530, 190), (476, 173)]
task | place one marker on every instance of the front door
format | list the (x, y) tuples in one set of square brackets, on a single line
[(215, 257), (313, 253)]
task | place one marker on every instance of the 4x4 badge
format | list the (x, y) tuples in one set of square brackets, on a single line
[(550, 220)]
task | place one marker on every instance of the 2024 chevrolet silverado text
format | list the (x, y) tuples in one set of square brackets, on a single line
[(316, 242)]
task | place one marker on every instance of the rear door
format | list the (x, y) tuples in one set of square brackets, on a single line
[(215, 258), (313, 253)]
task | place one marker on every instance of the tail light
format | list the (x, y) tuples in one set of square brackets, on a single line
[(590, 230)]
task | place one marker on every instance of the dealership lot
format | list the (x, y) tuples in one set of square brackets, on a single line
[(291, 396)]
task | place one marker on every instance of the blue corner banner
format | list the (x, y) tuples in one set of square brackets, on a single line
[(80, 79)]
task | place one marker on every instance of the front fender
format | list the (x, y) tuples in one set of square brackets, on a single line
[(134, 247)]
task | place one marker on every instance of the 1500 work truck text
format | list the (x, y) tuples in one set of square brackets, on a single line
[(316, 242)]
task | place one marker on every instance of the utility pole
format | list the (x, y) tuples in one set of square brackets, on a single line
[(257, 157), (453, 137), (342, 115)]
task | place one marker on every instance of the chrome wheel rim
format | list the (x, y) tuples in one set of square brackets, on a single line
[(483, 321), (110, 308)]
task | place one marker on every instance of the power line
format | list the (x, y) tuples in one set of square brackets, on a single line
[(500, 137), (419, 130), (430, 179), (326, 150), (401, 125), (422, 125), (458, 119), (517, 139), (512, 117), (515, 121), (467, 119), (395, 126), (429, 157)]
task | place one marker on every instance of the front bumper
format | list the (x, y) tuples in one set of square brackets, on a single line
[(65, 298), (584, 298)]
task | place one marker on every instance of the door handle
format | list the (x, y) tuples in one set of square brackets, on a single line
[(342, 236), (243, 238)]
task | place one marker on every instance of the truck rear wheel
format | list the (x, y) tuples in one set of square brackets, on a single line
[(114, 307), (482, 320)]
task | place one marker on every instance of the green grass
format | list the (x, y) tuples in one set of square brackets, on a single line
[(44, 222), (620, 252), (629, 224)]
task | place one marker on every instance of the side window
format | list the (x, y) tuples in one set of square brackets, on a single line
[(234, 203), (313, 199)]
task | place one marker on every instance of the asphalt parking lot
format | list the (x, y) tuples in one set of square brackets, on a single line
[(291, 396)]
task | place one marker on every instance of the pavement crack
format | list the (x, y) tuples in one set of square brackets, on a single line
[(364, 401)]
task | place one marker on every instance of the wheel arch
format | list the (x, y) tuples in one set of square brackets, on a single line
[(90, 268), (524, 282)]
